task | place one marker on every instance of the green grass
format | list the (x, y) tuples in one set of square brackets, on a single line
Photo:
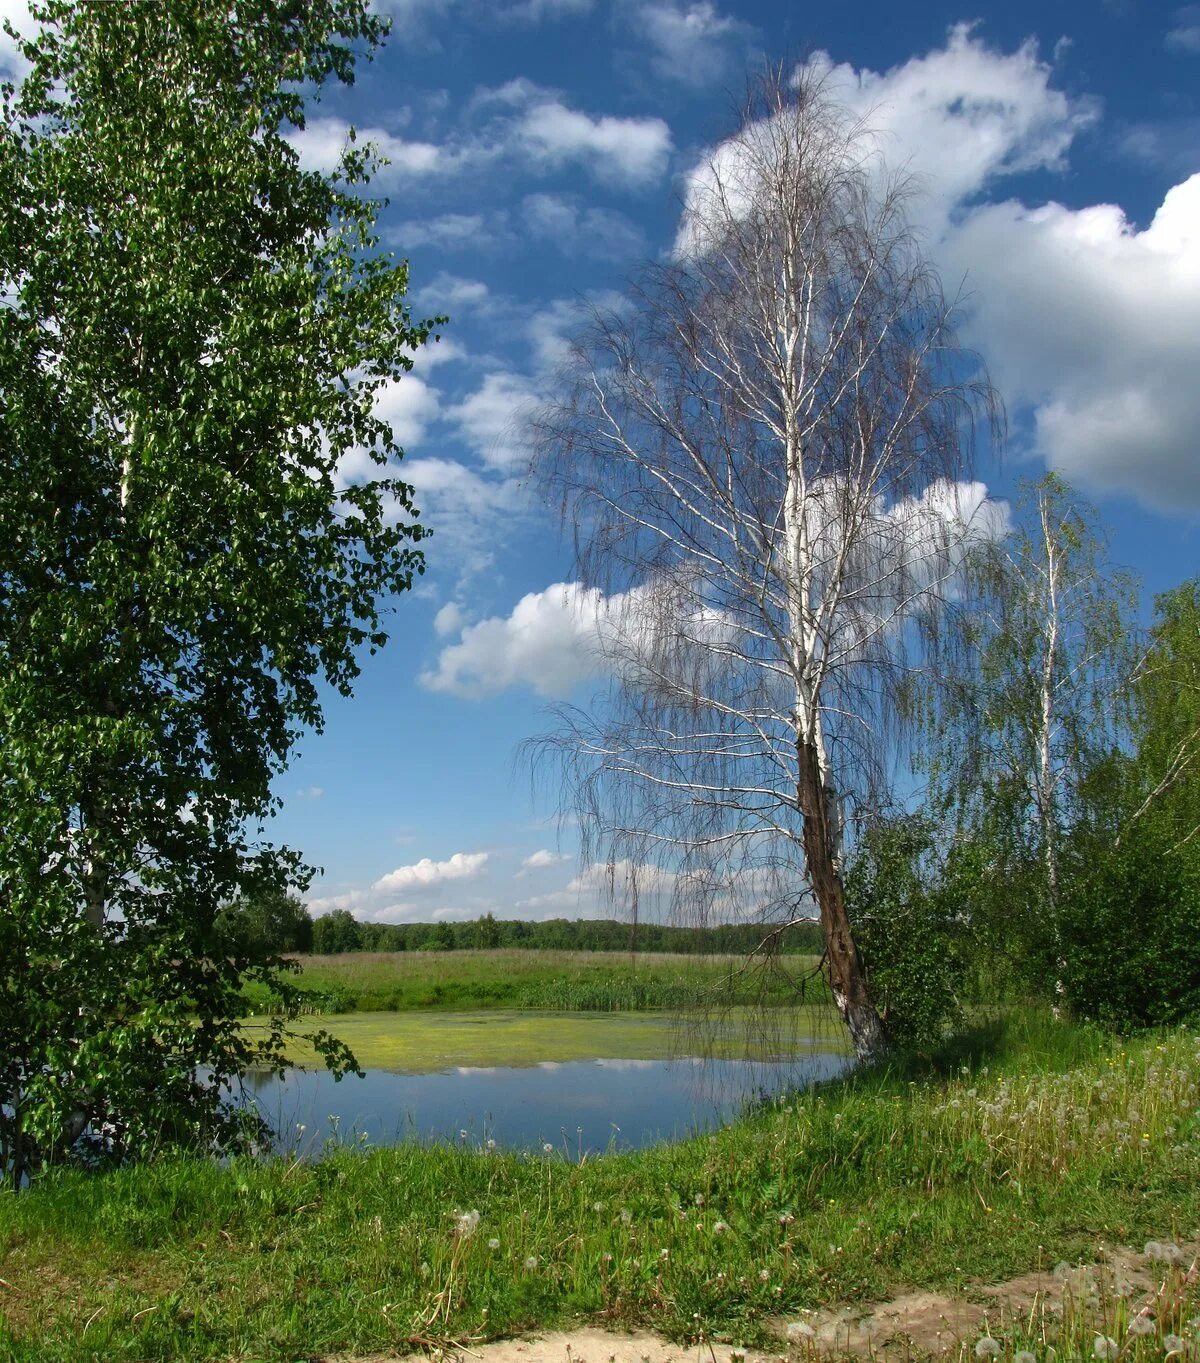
[(423, 1043), (1029, 1141), (576, 981)]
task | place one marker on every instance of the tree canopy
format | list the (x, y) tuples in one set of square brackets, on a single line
[(193, 335)]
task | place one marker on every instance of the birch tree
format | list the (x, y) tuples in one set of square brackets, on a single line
[(765, 455), (1032, 728), (193, 335)]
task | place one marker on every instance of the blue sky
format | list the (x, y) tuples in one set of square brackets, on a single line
[(540, 150)]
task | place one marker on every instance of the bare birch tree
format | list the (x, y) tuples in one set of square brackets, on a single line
[(763, 456)]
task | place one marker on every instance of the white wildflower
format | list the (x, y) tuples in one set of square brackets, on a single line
[(466, 1224), (531, 1262), (764, 1275), (987, 1347), (1142, 1325), (1172, 1344), (1105, 1348), (493, 1243), (547, 1149), (721, 1228)]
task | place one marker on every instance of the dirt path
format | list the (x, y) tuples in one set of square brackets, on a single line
[(915, 1324)]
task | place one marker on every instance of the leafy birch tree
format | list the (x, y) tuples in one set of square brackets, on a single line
[(1166, 720), (193, 332), (764, 455), (1035, 733)]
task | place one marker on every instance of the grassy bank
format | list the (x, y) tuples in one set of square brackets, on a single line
[(1021, 1149), (575, 981)]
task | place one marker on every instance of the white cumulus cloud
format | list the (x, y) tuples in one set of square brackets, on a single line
[(489, 419), (449, 231), (539, 860), (1088, 321), (16, 12), (956, 119), (423, 874), (1184, 35), (448, 620), (1095, 325), (630, 151), (572, 227), (322, 142), (549, 641), (692, 43), (448, 293)]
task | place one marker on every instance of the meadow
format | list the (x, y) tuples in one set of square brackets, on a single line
[(575, 981), (1027, 1142)]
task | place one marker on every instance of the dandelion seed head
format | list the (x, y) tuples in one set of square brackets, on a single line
[(626, 1216), (721, 1228), (1024, 1356), (493, 1243), (799, 1330), (764, 1275), (987, 1347), (597, 1207), (531, 1262), (547, 1149), (466, 1224), (1105, 1348), (1173, 1344), (1142, 1325)]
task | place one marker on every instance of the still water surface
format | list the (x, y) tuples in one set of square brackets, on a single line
[(576, 1106)]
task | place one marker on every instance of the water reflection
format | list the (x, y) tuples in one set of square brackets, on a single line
[(576, 1106)]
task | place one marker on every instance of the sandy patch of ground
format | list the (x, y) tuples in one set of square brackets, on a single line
[(915, 1324)]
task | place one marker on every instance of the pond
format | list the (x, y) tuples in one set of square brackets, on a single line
[(630, 1086)]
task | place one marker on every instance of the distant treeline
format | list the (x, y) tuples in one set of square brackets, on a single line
[(339, 931), (282, 924)]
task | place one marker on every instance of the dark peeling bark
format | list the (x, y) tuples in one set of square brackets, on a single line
[(847, 978)]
